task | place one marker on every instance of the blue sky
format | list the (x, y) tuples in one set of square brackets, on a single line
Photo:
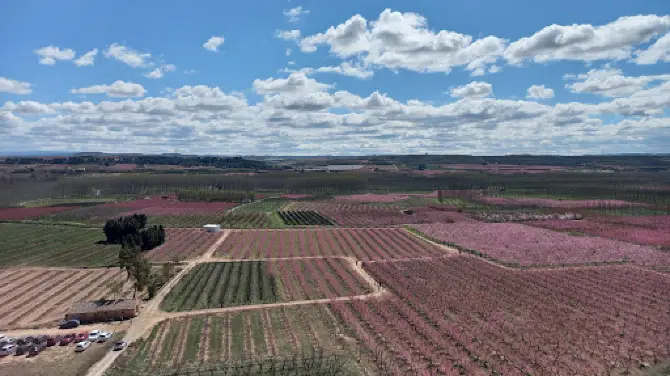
[(347, 77)]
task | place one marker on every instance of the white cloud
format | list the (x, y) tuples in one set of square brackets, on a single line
[(14, 87), (611, 82), (49, 54), (87, 59), (117, 89), (190, 71), (213, 43), (294, 14), (659, 51), (475, 89), (613, 41), (288, 34), (539, 92), (289, 52), (296, 82), (403, 40), (347, 69), (160, 71), (205, 120), (128, 56)]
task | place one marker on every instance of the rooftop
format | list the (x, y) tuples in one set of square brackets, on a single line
[(102, 305)]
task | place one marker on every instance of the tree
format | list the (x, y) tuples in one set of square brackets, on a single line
[(137, 267)]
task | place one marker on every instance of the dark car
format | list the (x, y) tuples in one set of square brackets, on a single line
[(35, 350), (22, 350), (69, 324), (52, 341), (41, 339), (24, 341)]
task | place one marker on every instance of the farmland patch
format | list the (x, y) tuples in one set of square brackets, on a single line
[(525, 245), (362, 244), (41, 296), (47, 245), (303, 218), (241, 341), (183, 244), (466, 316), (225, 284)]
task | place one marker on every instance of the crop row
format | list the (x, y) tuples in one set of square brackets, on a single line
[(182, 244), (33, 297), (46, 245), (362, 244), (465, 316), (525, 245), (647, 230), (224, 284), (303, 218), (233, 337), (373, 215), (246, 220)]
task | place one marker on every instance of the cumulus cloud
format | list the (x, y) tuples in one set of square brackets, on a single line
[(87, 59), (160, 71), (128, 56), (117, 89), (288, 34), (403, 41), (475, 89), (14, 87), (347, 69), (213, 43), (296, 82), (611, 82), (613, 41), (294, 14), (659, 51), (49, 54), (539, 92)]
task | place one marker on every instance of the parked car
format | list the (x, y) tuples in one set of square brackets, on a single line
[(7, 349), (67, 339), (93, 335), (36, 350), (103, 337), (83, 345), (2, 336), (81, 337), (52, 341), (24, 341), (22, 349), (41, 339), (69, 324), (7, 341), (120, 346)]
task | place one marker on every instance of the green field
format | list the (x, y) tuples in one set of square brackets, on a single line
[(215, 285), (67, 202), (266, 206), (225, 284), (242, 340), (49, 245)]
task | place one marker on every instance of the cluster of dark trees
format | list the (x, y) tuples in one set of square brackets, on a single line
[(131, 231), (170, 159)]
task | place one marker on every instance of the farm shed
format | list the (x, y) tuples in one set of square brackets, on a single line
[(103, 310)]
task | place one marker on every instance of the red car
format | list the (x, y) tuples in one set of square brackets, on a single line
[(67, 339), (81, 337)]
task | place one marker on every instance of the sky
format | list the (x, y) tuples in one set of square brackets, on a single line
[(483, 77)]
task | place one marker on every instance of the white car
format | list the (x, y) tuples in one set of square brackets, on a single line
[(83, 345), (93, 335), (7, 349), (103, 336), (2, 336)]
